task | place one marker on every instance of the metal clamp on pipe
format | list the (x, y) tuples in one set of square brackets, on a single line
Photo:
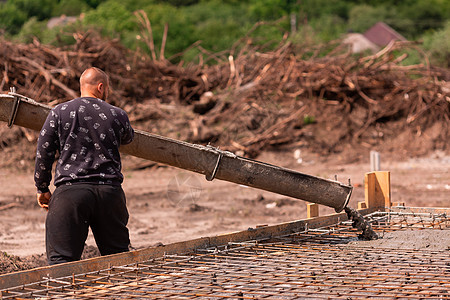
[(12, 117), (216, 167)]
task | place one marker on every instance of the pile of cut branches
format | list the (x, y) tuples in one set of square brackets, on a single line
[(252, 101), (275, 96), (50, 74)]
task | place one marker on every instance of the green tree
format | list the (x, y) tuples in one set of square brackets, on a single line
[(32, 28), (313, 9), (42, 9), (180, 33), (438, 46), (11, 18), (216, 24), (94, 3), (329, 27), (269, 9), (424, 15), (179, 3), (362, 17), (112, 17), (70, 7), (58, 35), (133, 5)]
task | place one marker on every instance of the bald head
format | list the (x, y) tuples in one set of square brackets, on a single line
[(94, 83)]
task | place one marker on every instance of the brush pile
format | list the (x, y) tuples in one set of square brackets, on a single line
[(250, 100)]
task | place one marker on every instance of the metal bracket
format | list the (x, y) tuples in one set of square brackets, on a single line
[(16, 103), (211, 176)]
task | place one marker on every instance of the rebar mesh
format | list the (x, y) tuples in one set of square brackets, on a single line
[(315, 263)]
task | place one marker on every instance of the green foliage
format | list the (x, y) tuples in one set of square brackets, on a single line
[(414, 57), (32, 28), (307, 119), (304, 38), (329, 27), (42, 9), (215, 24), (424, 15), (268, 36), (94, 3), (179, 35), (133, 5), (70, 7), (11, 18), (112, 18), (362, 17), (313, 9), (218, 24), (58, 36), (438, 46), (269, 9), (180, 2), (214, 34)]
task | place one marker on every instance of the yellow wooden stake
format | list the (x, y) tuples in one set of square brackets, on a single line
[(312, 210), (378, 189)]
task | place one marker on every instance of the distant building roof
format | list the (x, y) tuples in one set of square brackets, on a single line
[(382, 34)]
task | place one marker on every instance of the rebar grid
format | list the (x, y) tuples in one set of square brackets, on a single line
[(314, 263)]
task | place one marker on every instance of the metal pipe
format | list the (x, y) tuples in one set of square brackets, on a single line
[(207, 160)]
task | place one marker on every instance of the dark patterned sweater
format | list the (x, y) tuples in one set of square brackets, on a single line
[(87, 133)]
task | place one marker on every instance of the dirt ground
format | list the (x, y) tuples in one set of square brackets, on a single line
[(168, 205)]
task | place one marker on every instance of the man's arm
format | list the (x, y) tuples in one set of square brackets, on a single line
[(47, 145), (128, 134)]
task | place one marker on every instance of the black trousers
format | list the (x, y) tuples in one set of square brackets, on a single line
[(73, 208)]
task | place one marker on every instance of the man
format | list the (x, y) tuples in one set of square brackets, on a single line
[(87, 133)]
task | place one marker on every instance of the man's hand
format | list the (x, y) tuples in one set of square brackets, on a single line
[(43, 199)]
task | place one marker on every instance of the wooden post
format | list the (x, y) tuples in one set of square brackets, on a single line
[(378, 189), (312, 210), (374, 161)]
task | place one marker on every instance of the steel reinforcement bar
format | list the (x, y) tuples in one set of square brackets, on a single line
[(104, 262), (319, 263)]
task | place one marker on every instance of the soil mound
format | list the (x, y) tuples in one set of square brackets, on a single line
[(12, 263)]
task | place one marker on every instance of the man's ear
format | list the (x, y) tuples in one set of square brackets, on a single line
[(101, 91), (100, 88)]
